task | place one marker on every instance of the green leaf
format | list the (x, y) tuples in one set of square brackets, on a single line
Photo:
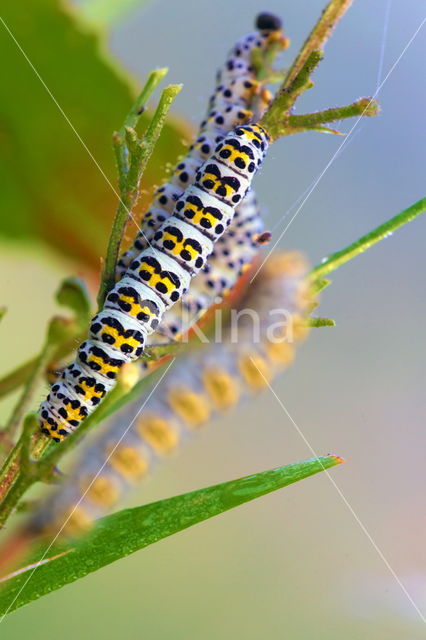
[(125, 532), (72, 293), (52, 190)]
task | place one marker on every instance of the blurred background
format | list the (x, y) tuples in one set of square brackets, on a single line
[(295, 564)]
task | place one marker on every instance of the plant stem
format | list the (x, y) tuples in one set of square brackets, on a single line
[(285, 99), (316, 40), (298, 79), (131, 165), (131, 120), (14, 480), (27, 394), (361, 107), (335, 260), (16, 378)]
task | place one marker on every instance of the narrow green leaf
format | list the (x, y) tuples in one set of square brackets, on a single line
[(335, 260), (127, 531)]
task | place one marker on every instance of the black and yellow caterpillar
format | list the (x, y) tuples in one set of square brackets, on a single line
[(160, 274), (155, 280), (198, 387), (231, 103), (229, 106)]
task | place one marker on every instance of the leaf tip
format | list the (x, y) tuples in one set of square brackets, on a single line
[(336, 459)]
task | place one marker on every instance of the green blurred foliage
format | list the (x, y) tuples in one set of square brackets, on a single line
[(108, 11), (52, 189)]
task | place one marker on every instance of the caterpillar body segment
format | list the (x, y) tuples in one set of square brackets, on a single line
[(137, 301), (202, 211), (160, 273), (184, 243), (108, 327), (199, 386)]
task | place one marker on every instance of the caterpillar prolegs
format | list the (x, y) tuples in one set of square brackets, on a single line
[(199, 386)]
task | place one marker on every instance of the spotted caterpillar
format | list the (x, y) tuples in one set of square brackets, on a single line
[(198, 387), (155, 280), (228, 107)]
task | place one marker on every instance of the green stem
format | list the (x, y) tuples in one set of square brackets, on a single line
[(298, 78), (15, 493), (316, 40), (16, 378), (361, 107), (130, 173), (157, 121), (131, 120), (26, 397), (14, 480), (335, 260), (285, 98)]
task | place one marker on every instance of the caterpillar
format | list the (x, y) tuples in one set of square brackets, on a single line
[(199, 386), (154, 281), (160, 274), (228, 107), (231, 100)]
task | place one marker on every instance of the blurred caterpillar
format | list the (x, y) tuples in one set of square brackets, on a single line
[(199, 386), (229, 106), (156, 278)]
